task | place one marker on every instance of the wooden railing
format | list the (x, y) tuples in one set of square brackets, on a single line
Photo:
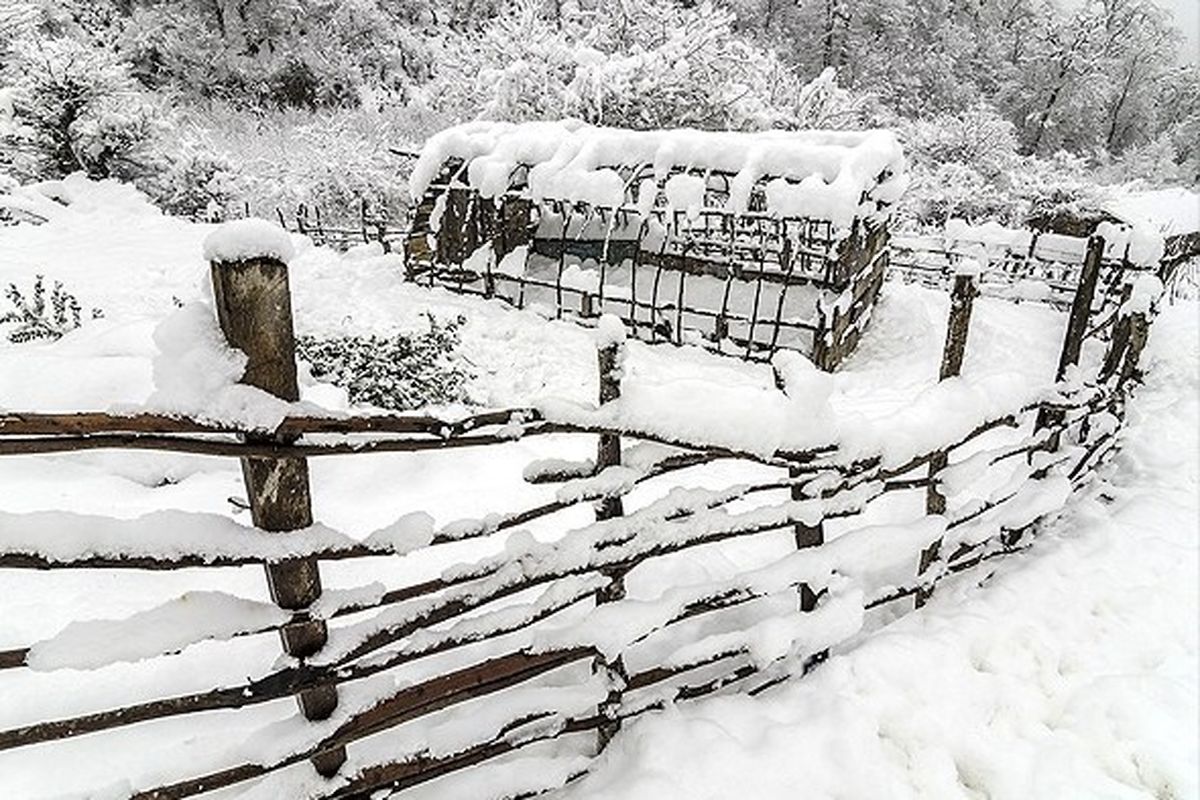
[(518, 630)]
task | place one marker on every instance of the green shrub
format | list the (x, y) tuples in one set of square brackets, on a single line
[(401, 372), (34, 319)]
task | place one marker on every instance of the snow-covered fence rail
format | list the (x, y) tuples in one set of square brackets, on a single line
[(347, 228), (543, 640), (1029, 265)]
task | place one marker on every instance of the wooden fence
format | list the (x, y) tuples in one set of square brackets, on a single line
[(1047, 269), (544, 635)]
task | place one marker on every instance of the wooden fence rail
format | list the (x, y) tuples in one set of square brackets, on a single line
[(553, 610)]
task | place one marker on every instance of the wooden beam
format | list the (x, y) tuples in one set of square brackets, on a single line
[(254, 308)]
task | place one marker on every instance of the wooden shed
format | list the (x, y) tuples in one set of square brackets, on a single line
[(741, 242)]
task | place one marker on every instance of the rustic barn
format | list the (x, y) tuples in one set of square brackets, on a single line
[(741, 242)]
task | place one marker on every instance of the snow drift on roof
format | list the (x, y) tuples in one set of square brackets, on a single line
[(1171, 211), (831, 175)]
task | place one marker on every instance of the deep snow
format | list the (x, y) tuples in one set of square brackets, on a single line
[(1070, 673)]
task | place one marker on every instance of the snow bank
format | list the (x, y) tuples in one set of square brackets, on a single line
[(196, 374), (248, 238), (1168, 211), (816, 174), (77, 195)]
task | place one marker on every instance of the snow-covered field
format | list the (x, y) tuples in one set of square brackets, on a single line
[(1070, 672)]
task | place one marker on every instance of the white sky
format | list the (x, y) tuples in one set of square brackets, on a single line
[(1187, 19)]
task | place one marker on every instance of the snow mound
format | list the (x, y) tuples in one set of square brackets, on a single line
[(196, 373), (248, 238), (1170, 211), (78, 194)]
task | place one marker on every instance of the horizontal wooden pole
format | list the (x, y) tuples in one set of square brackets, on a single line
[(93, 422), (406, 704)]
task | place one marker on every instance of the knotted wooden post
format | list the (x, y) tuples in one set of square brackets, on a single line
[(610, 356), (962, 298), (250, 289)]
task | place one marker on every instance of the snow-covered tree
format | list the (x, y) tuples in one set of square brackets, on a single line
[(297, 53), (75, 107), (647, 65)]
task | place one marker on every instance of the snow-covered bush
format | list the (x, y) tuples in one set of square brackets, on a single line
[(1062, 182), (31, 316), (192, 183), (285, 53), (977, 137), (330, 158), (656, 64), (967, 165), (75, 107), (401, 372)]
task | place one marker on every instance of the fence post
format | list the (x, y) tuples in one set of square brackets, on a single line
[(1081, 307), (610, 355), (1077, 322), (805, 535), (962, 298), (254, 310)]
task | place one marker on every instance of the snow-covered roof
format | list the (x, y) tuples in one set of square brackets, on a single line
[(1170, 211), (828, 175)]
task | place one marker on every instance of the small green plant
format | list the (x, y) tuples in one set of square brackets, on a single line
[(34, 319), (402, 372)]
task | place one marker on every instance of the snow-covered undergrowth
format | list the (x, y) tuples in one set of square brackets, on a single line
[(135, 262)]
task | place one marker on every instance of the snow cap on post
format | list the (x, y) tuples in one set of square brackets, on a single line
[(244, 239), (968, 266), (610, 330), (1146, 290)]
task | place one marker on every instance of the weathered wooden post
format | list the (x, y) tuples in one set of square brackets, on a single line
[(805, 535), (1077, 322), (962, 298), (610, 355), (1132, 329), (1081, 307), (250, 288)]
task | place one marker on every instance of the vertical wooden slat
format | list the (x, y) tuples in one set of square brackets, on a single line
[(1139, 330), (962, 299), (255, 313)]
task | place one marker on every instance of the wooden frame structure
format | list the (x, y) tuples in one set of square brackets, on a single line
[(738, 278)]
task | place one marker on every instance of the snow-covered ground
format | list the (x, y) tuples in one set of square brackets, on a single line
[(1070, 673)]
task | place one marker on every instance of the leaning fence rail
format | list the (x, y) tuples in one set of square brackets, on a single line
[(608, 663)]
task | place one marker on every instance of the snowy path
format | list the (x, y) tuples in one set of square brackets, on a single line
[(1071, 673)]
